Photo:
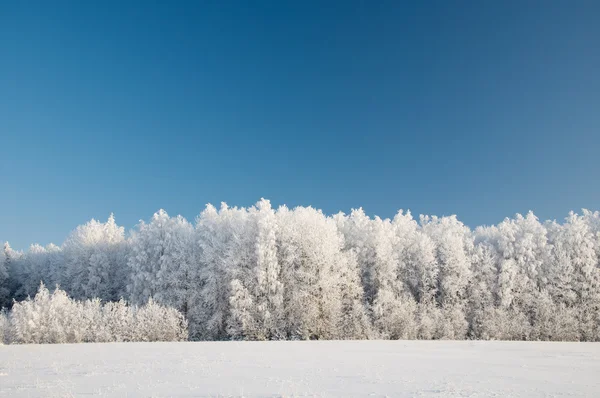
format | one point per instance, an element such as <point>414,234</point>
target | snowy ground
<point>287,369</point>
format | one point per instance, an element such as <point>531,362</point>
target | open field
<point>285,369</point>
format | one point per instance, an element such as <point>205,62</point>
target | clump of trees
<point>261,273</point>
<point>53,317</point>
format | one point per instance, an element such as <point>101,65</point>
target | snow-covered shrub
<point>154,322</point>
<point>51,318</point>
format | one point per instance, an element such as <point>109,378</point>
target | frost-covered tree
<point>4,282</point>
<point>16,272</point>
<point>311,259</point>
<point>224,253</point>
<point>377,246</point>
<point>95,261</point>
<point>54,265</point>
<point>574,274</point>
<point>452,242</point>
<point>4,327</point>
<point>453,248</point>
<point>355,323</point>
<point>257,291</point>
<point>482,293</point>
<point>269,287</point>
<point>521,249</point>
<point>154,322</point>
<point>419,273</point>
<point>33,270</point>
<point>161,262</point>
<point>45,318</point>
<point>416,251</point>
<point>36,265</point>
<point>246,262</point>
<point>357,229</point>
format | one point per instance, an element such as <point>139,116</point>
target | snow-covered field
<point>287,369</point>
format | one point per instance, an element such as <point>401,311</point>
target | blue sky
<point>480,109</point>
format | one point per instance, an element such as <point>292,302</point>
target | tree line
<point>261,273</point>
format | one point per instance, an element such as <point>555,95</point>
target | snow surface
<point>286,369</point>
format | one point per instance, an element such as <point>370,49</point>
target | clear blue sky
<point>481,109</point>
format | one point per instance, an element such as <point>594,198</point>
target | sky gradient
<point>480,109</point>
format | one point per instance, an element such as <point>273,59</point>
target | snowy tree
<point>154,322</point>
<point>416,251</point>
<point>521,250</point>
<point>17,275</point>
<point>243,319</point>
<point>4,327</point>
<point>311,259</point>
<point>117,320</point>
<point>224,252</point>
<point>54,266</point>
<point>42,319</point>
<point>4,282</point>
<point>574,277</point>
<point>453,247</point>
<point>452,241</point>
<point>357,229</point>
<point>41,264</point>
<point>161,262</point>
<point>355,323</point>
<point>33,270</point>
<point>269,288</point>
<point>94,261</point>
<point>377,247</point>
<point>482,293</point>
<point>257,290</point>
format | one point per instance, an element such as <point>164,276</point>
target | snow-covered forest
<point>261,273</point>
